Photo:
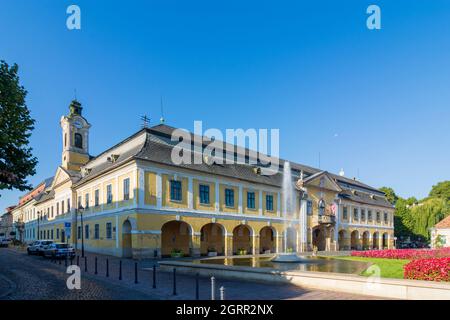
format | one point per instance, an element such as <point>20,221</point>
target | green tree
<point>16,158</point>
<point>390,195</point>
<point>441,190</point>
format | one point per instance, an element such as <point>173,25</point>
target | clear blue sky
<point>376,103</point>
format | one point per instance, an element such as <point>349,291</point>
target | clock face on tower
<point>78,124</point>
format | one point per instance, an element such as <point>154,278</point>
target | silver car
<point>59,250</point>
<point>38,247</point>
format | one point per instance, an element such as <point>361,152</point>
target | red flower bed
<point>436,269</point>
<point>408,254</point>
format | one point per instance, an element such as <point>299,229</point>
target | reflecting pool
<point>319,264</point>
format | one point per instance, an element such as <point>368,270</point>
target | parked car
<point>59,250</point>
<point>5,243</point>
<point>38,247</point>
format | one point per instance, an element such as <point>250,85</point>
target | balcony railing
<point>327,219</point>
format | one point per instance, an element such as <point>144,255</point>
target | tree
<point>390,195</point>
<point>441,190</point>
<point>16,158</point>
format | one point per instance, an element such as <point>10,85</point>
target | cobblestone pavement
<point>39,278</point>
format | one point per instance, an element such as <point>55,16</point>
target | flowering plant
<point>435,269</point>
<point>408,254</point>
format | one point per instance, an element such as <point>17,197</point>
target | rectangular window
<point>386,217</point>
<point>251,200</point>
<point>57,233</point>
<point>378,217</point>
<point>86,231</point>
<point>309,207</point>
<point>97,231</point>
<point>97,197</point>
<point>229,198</point>
<point>355,214</point>
<point>175,190</point>
<point>51,234</point>
<point>68,205</point>
<point>108,230</point>
<point>269,202</point>
<point>79,202</point>
<point>79,232</point>
<point>57,208</point>
<point>204,193</point>
<point>52,212</point>
<point>126,189</point>
<point>345,213</point>
<point>363,214</point>
<point>86,201</point>
<point>62,207</point>
<point>109,195</point>
<point>369,215</point>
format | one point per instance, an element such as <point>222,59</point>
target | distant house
<point>6,224</point>
<point>440,234</point>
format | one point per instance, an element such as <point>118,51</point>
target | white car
<point>5,243</point>
<point>38,247</point>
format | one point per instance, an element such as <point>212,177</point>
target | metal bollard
<point>85,264</point>
<point>222,293</point>
<point>213,288</point>
<point>154,276</point>
<point>71,261</point>
<point>107,268</point>
<point>95,271</point>
<point>135,273</point>
<point>120,270</point>
<point>78,260</point>
<point>197,287</point>
<point>174,281</point>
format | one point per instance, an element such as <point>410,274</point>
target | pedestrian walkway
<point>184,288</point>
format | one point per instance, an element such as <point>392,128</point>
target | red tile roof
<point>443,224</point>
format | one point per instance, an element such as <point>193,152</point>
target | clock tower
<point>75,138</point>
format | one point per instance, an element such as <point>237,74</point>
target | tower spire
<point>162,120</point>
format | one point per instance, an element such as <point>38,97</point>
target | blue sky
<point>375,103</point>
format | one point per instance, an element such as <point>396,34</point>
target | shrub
<point>408,254</point>
<point>435,269</point>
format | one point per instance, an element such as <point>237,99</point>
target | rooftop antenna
<point>75,93</point>
<point>162,120</point>
<point>145,121</point>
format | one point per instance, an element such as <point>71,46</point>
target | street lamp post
<point>38,230</point>
<point>80,210</point>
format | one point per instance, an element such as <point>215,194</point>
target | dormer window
<point>113,158</point>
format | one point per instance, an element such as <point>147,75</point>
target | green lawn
<point>389,268</point>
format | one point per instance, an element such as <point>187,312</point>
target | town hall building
<point>133,201</point>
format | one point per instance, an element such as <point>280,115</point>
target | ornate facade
<point>133,201</point>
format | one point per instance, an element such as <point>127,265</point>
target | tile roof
<point>443,224</point>
<point>157,147</point>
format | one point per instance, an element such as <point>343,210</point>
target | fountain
<point>288,213</point>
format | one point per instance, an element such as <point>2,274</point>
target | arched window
<point>78,141</point>
<point>321,207</point>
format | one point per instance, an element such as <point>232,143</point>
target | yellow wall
<point>150,197</point>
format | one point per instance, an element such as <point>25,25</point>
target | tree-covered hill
<point>413,217</point>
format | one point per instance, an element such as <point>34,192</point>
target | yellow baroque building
<point>133,201</point>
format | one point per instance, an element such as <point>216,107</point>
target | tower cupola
<point>75,135</point>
